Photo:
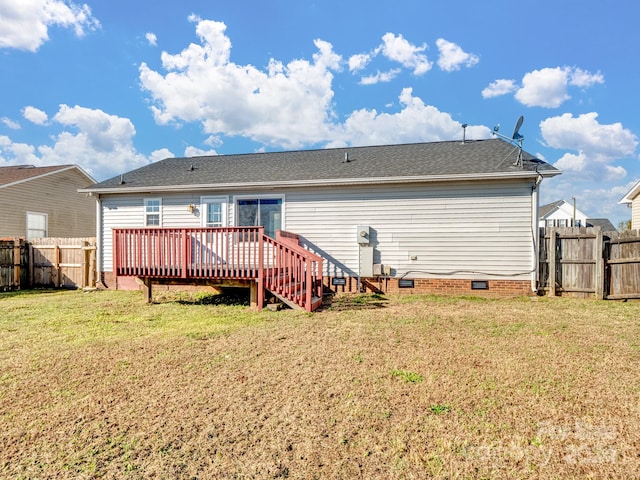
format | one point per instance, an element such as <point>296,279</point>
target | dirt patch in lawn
<point>417,387</point>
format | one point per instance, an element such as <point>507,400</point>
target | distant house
<point>44,202</point>
<point>564,214</point>
<point>561,214</point>
<point>632,199</point>
<point>443,216</point>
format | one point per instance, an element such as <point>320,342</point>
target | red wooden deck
<point>279,265</point>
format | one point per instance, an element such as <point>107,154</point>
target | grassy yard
<point>101,385</point>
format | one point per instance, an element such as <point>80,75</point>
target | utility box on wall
<point>363,235</point>
<point>366,261</point>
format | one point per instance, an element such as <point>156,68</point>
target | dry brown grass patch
<point>103,386</point>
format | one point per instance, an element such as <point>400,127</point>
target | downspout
<point>535,235</point>
<point>99,266</point>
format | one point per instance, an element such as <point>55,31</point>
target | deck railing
<point>238,253</point>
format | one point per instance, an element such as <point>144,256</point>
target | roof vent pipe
<point>122,179</point>
<point>346,157</point>
<point>464,131</point>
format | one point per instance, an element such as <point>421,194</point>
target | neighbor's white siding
<point>464,230</point>
<point>635,213</point>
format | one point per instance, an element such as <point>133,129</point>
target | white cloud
<point>398,49</point>
<point>583,79</point>
<point>151,38</point>
<point>499,87</point>
<point>452,57</point>
<point>585,133</point>
<point>416,122</point>
<point>160,154</point>
<point>35,115</point>
<point>101,143</point>
<point>288,105</point>
<point>12,124</point>
<point>547,87</point>
<point>358,62</point>
<point>198,152</point>
<point>597,145</point>
<point>380,77</point>
<point>25,23</point>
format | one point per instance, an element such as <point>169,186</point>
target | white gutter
<point>324,182</point>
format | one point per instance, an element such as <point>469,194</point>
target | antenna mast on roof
<point>515,138</point>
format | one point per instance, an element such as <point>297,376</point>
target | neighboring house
<point>632,199</point>
<point>441,214</point>
<point>45,202</point>
<point>564,214</point>
<point>561,214</point>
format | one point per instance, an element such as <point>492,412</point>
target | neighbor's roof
<point>604,224</point>
<point>419,162</point>
<point>549,208</point>
<point>631,194</point>
<point>24,173</point>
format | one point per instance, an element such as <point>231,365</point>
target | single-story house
<point>632,199</point>
<point>450,216</point>
<point>45,202</point>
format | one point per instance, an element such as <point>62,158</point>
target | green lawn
<point>102,385</point>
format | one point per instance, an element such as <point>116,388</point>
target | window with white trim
<point>260,211</point>
<point>152,212</point>
<point>214,211</point>
<point>37,225</point>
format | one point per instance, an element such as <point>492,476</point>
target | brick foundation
<point>448,286</point>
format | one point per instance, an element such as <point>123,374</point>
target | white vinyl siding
<point>127,211</point>
<point>635,213</point>
<point>462,230</point>
<point>459,230</point>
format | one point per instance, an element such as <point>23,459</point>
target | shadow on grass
<point>363,301</point>
<point>229,297</point>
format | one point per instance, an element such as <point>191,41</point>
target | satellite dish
<point>516,131</point>
<point>515,138</point>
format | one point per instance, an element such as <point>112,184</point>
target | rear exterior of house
<point>45,202</point>
<point>435,217</point>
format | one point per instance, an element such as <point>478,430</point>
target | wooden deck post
<point>147,290</point>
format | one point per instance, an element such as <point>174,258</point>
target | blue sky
<point>113,85</point>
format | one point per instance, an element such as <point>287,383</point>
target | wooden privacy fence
<point>48,262</point>
<point>583,261</point>
<point>14,261</point>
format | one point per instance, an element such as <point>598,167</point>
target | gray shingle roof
<point>492,157</point>
<point>549,208</point>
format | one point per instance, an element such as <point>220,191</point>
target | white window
<point>152,212</point>
<point>37,225</point>
<point>214,211</point>
<point>260,211</point>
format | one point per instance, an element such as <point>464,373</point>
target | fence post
<point>599,268</point>
<point>551,256</point>
<point>17,260</point>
